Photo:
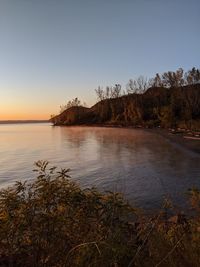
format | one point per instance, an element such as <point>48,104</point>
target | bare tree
<point>116,91</point>
<point>72,103</point>
<point>173,79</point>
<point>100,93</point>
<point>131,87</point>
<point>167,79</point>
<point>139,85</point>
<point>179,77</point>
<point>142,84</point>
<point>108,91</point>
<point>52,116</point>
<point>192,76</point>
<point>157,81</point>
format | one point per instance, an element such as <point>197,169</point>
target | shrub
<point>52,222</point>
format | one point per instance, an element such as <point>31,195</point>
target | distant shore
<point>22,121</point>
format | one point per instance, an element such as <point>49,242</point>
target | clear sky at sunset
<point>55,50</point>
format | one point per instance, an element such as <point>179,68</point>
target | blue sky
<point>55,50</point>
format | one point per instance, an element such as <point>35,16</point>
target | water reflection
<point>138,163</point>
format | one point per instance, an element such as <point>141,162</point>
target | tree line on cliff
<point>171,99</point>
<point>139,85</point>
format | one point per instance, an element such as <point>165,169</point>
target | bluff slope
<point>167,107</point>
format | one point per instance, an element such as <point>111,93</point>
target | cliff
<point>167,107</point>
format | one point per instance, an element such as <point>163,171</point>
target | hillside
<point>158,106</point>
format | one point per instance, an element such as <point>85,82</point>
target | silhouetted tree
<point>72,103</point>
<point>157,81</point>
<point>52,116</point>
<point>100,93</point>
<point>192,76</point>
<point>142,83</point>
<point>173,79</point>
<point>116,91</point>
<point>139,85</point>
<point>131,87</point>
<point>108,91</point>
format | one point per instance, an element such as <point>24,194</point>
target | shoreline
<point>179,139</point>
<point>22,121</point>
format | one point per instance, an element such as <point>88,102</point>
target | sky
<point>52,51</point>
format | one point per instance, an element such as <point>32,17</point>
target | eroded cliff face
<point>157,106</point>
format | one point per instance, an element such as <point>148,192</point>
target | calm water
<point>142,165</point>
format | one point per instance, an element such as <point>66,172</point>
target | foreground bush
<point>53,222</point>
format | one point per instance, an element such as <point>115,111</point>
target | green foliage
<point>53,222</point>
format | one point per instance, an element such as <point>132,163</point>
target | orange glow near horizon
<point>22,116</point>
<point>29,109</point>
<point>22,113</point>
<point>13,110</point>
<point>35,103</point>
